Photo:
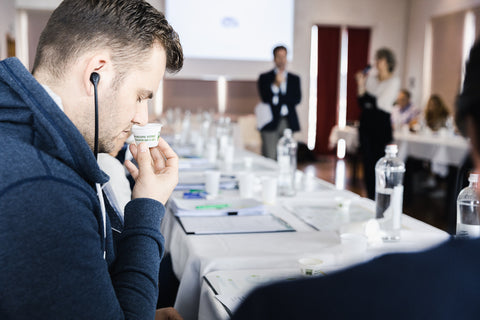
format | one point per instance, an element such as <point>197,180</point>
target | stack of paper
<point>232,286</point>
<point>217,207</point>
<point>331,214</point>
<point>233,224</point>
<point>195,164</point>
<point>196,180</point>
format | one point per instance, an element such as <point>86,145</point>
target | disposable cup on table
<point>248,162</point>
<point>212,182</point>
<point>212,151</point>
<point>310,266</point>
<point>246,184</point>
<point>269,190</point>
<point>354,247</point>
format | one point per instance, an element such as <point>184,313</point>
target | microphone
<point>94,79</point>
<point>366,69</point>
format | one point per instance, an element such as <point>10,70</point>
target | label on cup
<point>153,137</point>
<point>149,133</point>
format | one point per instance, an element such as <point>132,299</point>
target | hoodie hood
<point>38,119</point>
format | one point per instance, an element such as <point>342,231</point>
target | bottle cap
<point>473,177</point>
<point>391,148</point>
<point>287,132</point>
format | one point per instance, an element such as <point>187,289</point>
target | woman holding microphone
<point>377,92</point>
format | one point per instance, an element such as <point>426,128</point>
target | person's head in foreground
<point>128,43</point>
<point>467,116</point>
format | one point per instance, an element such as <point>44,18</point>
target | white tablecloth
<point>441,149</point>
<point>348,133</point>
<point>193,256</point>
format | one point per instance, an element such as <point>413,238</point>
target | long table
<point>442,148</point>
<point>194,256</point>
<point>444,151</point>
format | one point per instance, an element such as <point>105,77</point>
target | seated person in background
<point>404,113</point>
<point>440,283</point>
<point>436,113</point>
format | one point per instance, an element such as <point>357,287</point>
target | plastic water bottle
<point>468,209</point>
<point>287,162</point>
<point>389,172</point>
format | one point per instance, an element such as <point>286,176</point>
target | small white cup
<point>354,247</point>
<point>443,132</point>
<point>212,150</point>
<point>212,182</point>
<point>309,180</point>
<point>246,184</point>
<point>149,133</point>
<point>310,266</point>
<point>269,190</point>
<point>248,162</point>
<point>229,154</point>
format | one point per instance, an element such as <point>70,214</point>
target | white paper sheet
<point>216,207</point>
<point>234,224</point>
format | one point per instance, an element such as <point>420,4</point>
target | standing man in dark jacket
<point>64,251</point>
<point>281,90</point>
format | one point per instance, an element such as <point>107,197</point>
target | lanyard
<point>104,217</point>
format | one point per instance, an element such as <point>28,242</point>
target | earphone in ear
<point>94,78</point>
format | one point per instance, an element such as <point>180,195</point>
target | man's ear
<point>100,63</point>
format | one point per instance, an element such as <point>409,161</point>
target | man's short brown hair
<point>278,48</point>
<point>128,28</point>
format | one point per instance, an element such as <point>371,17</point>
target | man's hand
<point>167,314</point>
<point>157,172</point>
<point>279,78</point>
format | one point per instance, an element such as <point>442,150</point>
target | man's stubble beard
<point>106,117</point>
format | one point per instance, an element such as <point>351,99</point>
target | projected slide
<point>232,29</point>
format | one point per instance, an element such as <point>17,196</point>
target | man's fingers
<point>133,149</point>
<point>158,159</point>
<point>132,169</point>
<point>171,158</point>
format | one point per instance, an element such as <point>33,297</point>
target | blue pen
<point>194,195</point>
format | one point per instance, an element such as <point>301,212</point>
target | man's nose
<point>141,116</point>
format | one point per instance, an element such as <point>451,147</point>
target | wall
<point>399,24</point>
<point>37,20</point>
<point>7,24</point>
<point>385,17</point>
<point>421,11</point>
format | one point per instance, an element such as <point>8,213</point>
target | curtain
<point>327,85</point>
<point>358,44</point>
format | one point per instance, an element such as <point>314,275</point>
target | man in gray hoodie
<point>64,251</point>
